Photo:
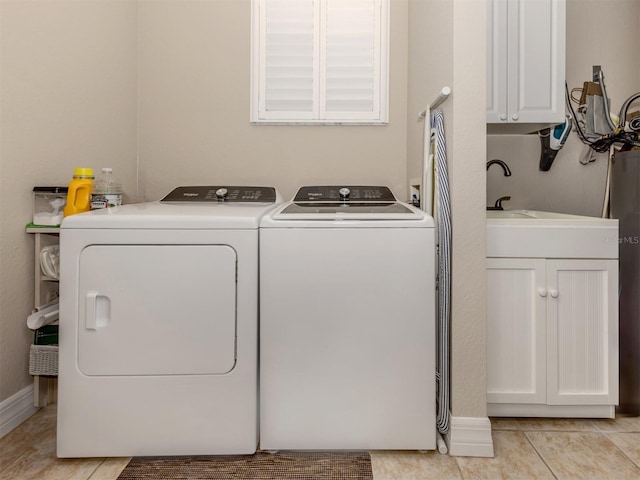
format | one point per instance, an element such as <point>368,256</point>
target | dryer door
<point>157,309</point>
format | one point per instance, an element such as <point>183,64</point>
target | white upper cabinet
<point>526,61</point>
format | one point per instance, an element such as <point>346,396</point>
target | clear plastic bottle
<point>79,193</point>
<point>107,191</point>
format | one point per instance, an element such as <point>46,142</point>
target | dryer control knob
<point>221,193</point>
<point>344,193</point>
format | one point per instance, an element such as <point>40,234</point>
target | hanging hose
<point>625,108</point>
<point>605,101</point>
<point>607,188</point>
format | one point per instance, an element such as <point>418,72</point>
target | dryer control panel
<point>194,194</point>
<point>344,193</point>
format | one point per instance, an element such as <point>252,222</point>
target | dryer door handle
<point>97,310</point>
<point>90,311</point>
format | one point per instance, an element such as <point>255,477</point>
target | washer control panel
<point>344,193</point>
<point>235,194</point>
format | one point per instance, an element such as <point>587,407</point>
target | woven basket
<point>43,360</point>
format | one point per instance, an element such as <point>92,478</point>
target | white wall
<point>599,32</point>
<point>67,99</point>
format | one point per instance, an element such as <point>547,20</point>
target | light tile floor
<point>524,449</point>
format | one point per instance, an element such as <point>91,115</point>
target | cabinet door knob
<point>503,117</point>
<point>542,292</point>
<point>515,116</point>
<point>553,292</point>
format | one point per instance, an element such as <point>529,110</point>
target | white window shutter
<point>350,60</point>
<point>319,61</point>
<point>287,59</point>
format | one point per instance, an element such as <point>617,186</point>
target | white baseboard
<point>550,411</point>
<point>470,437</point>
<point>16,409</point>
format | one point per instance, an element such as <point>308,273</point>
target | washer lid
<point>337,204</point>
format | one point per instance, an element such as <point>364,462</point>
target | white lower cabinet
<point>552,337</point>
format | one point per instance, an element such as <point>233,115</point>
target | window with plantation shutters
<point>320,61</point>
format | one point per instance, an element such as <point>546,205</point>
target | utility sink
<point>539,215</point>
<point>493,214</point>
<point>538,234</point>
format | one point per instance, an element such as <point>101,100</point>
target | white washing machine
<point>347,329</point>
<point>159,326</point>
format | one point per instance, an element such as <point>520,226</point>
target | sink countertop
<point>537,234</point>
<point>552,218</point>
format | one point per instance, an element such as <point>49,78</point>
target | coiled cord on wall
<point>618,135</point>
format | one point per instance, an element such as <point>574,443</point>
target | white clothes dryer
<point>347,329</point>
<point>159,325</point>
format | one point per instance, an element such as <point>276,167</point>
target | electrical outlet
<point>414,191</point>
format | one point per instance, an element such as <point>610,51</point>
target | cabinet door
<point>516,323</point>
<point>582,332</point>
<point>526,61</point>
<point>497,61</point>
<point>536,60</point>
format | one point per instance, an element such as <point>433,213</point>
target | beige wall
<point>160,92</point>
<point>160,89</point>
<point>430,69</point>
<point>468,189</point>
<point>194,110</point>
<point>599,32</point>
<point>104,83</point>
<point>441,31</point>
<point>67,99</point>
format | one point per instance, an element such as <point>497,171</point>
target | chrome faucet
<point>507,172</point>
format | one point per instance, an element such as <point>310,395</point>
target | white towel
<point>44,316</point>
